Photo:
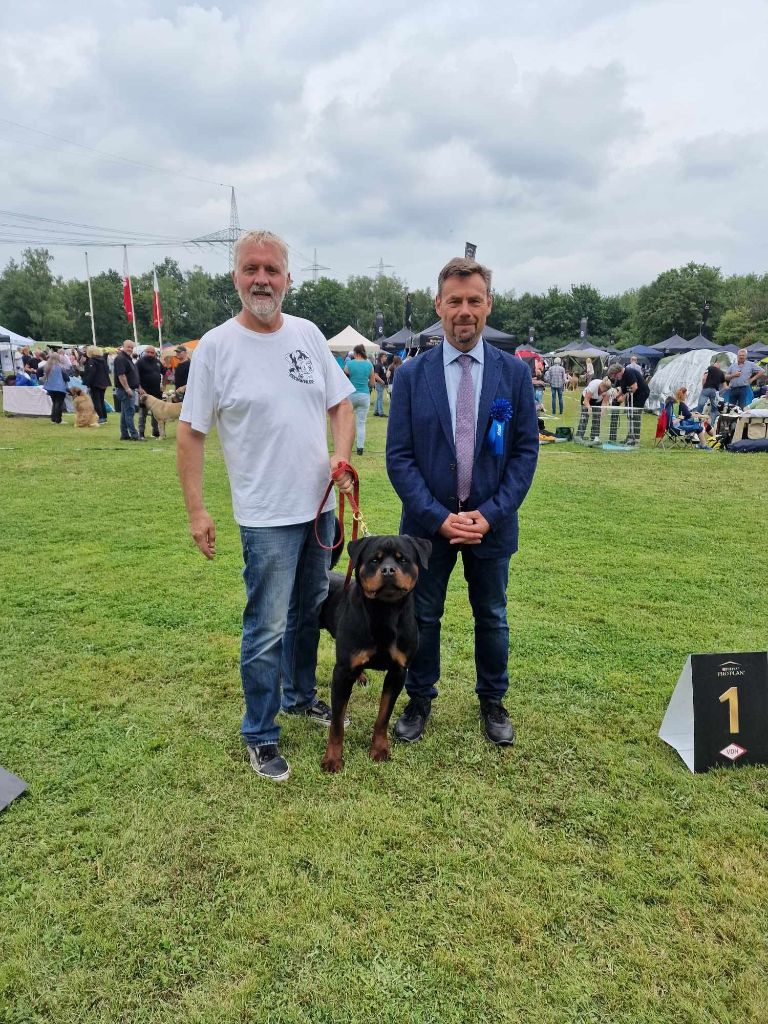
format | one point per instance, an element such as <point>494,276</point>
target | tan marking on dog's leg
<point>393,684</point>
<point>397,656</point>
<point>360,658</point>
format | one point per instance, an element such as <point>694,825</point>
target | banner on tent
<point>718,714</point>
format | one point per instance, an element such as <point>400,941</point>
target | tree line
<point>36,303</point>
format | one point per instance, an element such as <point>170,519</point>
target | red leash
<point>354,501</point>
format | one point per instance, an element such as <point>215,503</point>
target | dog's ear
<point>422,549</point>
<point>356,549</point>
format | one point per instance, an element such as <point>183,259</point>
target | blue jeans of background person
<point>361,403</point>
<point>127,413</point>
<point>379,410</point>
<point>557,393</point>
<point>738,396</point>
<point>709,395</point>
<point>487,583</point>
<point>538,394</point>
<point>286,582</point>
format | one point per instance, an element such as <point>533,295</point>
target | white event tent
<point>346,340</point>
<point>684,370</point>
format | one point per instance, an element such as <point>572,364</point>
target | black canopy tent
<point>433,335</point>
<point>674,345</point>
<point>404,338</point>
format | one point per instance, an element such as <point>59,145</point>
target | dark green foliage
<point>33,302</point>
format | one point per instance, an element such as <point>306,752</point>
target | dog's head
<point>76,392</point>
<point>387,568</point>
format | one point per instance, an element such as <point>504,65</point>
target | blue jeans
<point>127,412</point>
<point>286,582</point>
<point>361,403</point>
<point>379,410</point>
<point>487,583</point>
<point>557,393</point>
<point>710,394</point>
<point>739,396</point>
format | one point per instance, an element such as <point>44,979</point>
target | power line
<point>108,156</point>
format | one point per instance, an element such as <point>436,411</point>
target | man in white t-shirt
<point>267,380</point>
<point>594,396</point>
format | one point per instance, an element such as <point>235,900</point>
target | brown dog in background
<point>85,414</point>
<point>162,411</point>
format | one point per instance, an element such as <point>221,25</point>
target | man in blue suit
<point>462,446</point>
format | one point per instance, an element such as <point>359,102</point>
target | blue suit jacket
<point>421,454</point>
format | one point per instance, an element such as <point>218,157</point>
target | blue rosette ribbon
<point>501,412</point>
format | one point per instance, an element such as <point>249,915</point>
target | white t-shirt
<point>268,394</point>
<point>592,390</point>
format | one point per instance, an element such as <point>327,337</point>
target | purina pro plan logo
<point>730,670</point>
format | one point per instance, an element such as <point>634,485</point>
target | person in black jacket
<point>126,390</point>
<point>96,376</point>
<point>151,381</point>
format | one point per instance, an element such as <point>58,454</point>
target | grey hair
<point>461,267</point>
<point>261,238</point>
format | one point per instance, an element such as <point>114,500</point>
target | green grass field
<point>582,876</point>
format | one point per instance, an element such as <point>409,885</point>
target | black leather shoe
<point>410,725</point>
<point>496,724</point>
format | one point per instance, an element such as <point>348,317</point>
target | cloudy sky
<point>597,141</point>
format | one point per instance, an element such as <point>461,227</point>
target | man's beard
<point>262,304</point>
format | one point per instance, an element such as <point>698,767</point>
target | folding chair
<point>666,431</point>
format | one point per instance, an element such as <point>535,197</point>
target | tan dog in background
<point>162,411</point>
<point>85,414</point>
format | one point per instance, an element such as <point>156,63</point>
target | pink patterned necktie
<point>465,428</point>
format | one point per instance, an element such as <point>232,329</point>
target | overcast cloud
<point>595,141</point>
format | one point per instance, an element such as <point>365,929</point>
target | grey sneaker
<point>319,713</point>
<point>267,761</point>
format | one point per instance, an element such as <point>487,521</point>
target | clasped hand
<point>465,527</point>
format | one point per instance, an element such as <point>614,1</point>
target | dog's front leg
<point>393,685</point>
<point>341,687</point>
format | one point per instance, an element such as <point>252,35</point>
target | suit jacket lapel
<point>491,378</point>
<point>435,374</point>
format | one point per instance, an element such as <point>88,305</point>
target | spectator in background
<point>55,379</point>
<point>684,422</point>
<point>556,377</point>
<point>360,372</point>
<point>740,377</point>
<point>711,383</point>
<point>396,361</point>
<point>126,390</point>
<point>150,381</point>
<point>96,377</point>
<point>181,373</point>
<point>635,390</point>
<point>593,398</point>
<point>380,380</point>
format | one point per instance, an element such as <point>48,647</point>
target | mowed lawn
<point>582,876</point>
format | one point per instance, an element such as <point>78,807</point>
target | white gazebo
<point>348,338</point>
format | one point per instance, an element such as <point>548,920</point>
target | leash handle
<point>354,501</point>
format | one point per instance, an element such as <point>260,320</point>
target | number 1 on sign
<point>732,696</point>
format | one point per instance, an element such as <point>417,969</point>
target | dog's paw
<point>332,764</point>
<point>379,751</point>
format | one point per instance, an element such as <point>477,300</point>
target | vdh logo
<point>729,669</point>
<point>733,751</point>
<point>300,368</point>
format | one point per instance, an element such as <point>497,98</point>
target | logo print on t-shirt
<point>301,368</point>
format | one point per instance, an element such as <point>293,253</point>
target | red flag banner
<point>127,294</point>
<point>157,313</point>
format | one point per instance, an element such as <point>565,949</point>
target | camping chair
<point>668,433</point>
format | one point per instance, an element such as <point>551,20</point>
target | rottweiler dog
<point>374,625</point>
